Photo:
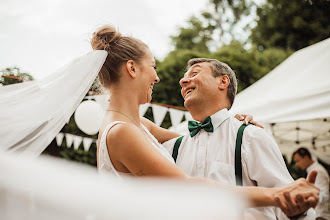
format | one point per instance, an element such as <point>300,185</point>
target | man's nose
<point>184,81</point>
<point>157,79</point>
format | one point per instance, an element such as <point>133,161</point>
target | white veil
<point>32,113</point>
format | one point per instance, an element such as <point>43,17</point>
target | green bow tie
<point>194,126</point>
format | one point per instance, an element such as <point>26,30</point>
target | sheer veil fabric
<point>32,113</point>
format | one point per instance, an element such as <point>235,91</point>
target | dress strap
<point>103,146</point>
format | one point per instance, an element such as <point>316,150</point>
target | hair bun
<point>104,37</point>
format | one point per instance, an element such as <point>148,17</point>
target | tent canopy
<point>297,89</point>
<point>294,99</point>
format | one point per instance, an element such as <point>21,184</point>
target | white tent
<point>294,99</point>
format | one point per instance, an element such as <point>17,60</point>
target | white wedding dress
<point>105,164</point>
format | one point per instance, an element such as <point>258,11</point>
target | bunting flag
<point>176,116</point>
<point>76,141</point>
<point>143,108</point>
<point>159,113</point>
<point>87,142</point>
<point>69,140</point>
<point>188,117</point>
<point>59,139</point>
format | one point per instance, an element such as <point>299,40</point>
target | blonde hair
<point>120,49</point>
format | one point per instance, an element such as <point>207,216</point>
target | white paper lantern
<point>89,116</point>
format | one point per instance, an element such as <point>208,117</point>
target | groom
<point>209,88</point>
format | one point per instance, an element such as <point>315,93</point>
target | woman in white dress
<point>126,146</point>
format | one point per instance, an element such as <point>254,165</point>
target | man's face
<point>300,161</point>
<point>199,86</point>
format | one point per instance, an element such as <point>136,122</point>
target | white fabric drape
<point>50,188</point>
<point>32,113</point>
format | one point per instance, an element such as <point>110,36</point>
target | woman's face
<point>148,77</point>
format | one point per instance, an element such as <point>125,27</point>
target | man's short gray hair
<point>220,69</point>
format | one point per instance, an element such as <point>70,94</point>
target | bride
<point>126,146</point>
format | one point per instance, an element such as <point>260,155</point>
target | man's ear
<point>224,82</point>
<point>130,67</point>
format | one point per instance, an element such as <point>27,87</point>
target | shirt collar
<point>219,117</point>
<point>311,167</point>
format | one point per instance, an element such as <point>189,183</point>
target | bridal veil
<point>33,113</point>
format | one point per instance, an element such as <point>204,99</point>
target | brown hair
<point>303,152</point>
<point>220,69</point>
<point>120,49</point>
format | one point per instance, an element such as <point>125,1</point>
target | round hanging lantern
<point>89,116</point>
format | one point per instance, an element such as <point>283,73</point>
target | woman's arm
<point>161,134</point>
<point>131,151</point>
<point>129,148</point>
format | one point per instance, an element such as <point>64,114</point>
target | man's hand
<point>297,197</point>
<point>247,119</point>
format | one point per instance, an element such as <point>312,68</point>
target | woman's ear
<point>224,82</point>
<point>130,67</point>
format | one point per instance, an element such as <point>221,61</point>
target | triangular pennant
<point>69,140</point>
<point>76,141</point>
<point>176,116</point>
<point>188,117</point>
<point>87,143</point>
<point>143,108</point>
<point>59,139</point>
<point>159,113</point>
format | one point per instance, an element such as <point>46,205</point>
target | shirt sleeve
<point>169,145</point>
<point>263,159</point>
<point>265,164</point>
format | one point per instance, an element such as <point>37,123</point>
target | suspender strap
<point>238,161</point>
<point>176,148</point>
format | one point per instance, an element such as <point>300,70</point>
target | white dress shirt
<point>212,155</point>
<point>322,181</point>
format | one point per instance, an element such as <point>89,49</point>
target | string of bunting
<point>74,140</point>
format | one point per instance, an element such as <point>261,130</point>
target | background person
<point>303,160</point>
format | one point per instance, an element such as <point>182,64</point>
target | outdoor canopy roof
<point>297,89</point>
<point>294,100</point>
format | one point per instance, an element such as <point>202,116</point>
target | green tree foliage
<point>226,14</point>
<point>194,37</point>
<point>220,23</point>
<point>14,72</point>
<point>250,65</point>
<point>293,24</point>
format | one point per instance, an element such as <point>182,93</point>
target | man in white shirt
<point>303,160</point>
<point>209,88</point>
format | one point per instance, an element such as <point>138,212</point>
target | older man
<point>215,149</point>
<point>304,161</point>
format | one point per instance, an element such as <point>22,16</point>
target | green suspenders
<point>176,148</point>
<point>238,162</point>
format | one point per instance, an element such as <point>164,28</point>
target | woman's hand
<point>247,119</point>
